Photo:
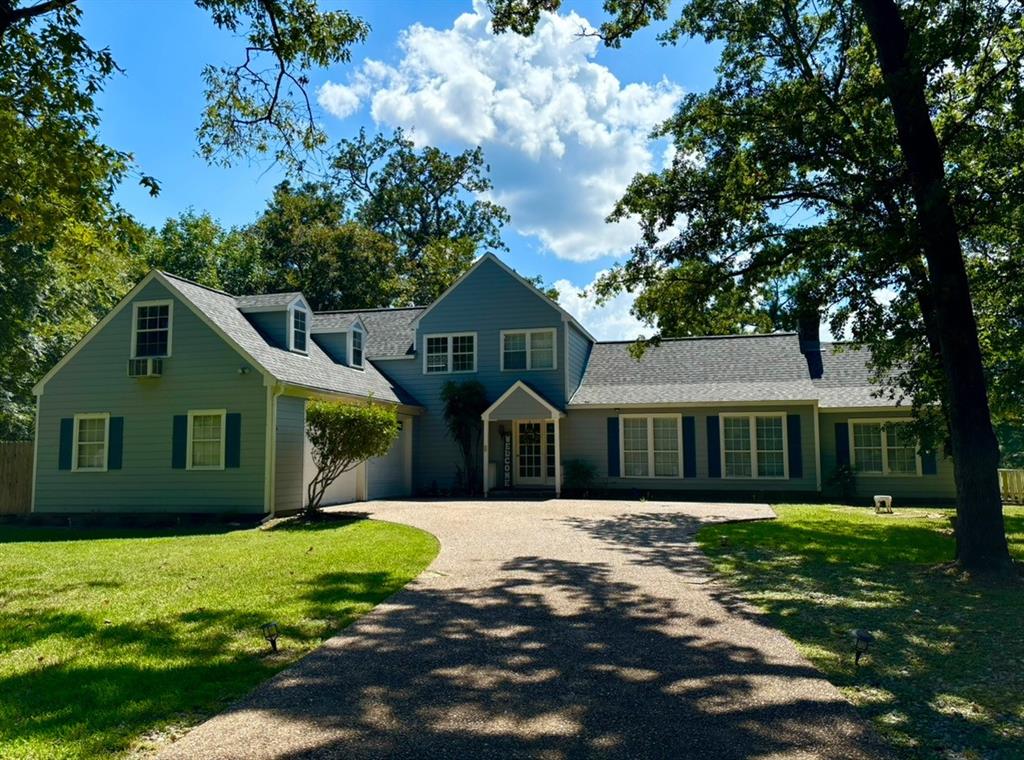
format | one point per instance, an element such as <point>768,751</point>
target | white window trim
<point>752,417</point>
<point>529,331</point>
<point>105,416</point>
<point>362,349</point>
<point>451,364</point>
<point>291,328</point>
<point>650,446</point>
<point>885,473</point>
<point>223,437</point>
<point>169,303</point>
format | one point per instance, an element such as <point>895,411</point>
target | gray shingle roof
<point>315,370</point>
<point>328,321</point>
<point>724,369</point>
<point>389,332</point>
<point>265,301</point>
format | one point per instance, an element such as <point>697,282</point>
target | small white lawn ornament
<point>883,504</point>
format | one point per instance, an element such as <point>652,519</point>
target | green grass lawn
<point>110,639</point>
<point>945,677</point>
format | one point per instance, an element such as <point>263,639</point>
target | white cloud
<point>562,135</point>
<point>608,321</point>
<point>339,99</point>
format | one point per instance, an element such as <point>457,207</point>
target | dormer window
<point>151,328</point>
<point>356,354</point>
<point>298,329</point>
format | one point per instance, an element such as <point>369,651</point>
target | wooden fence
<point>1011,486</point>
<point>15,478</point>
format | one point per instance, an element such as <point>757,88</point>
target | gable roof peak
<point>489,256</point>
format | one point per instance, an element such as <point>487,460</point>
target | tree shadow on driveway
<point>552,658</point>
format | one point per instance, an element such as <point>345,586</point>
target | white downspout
<point>817,445</point>
<point>273,391</point>
<point>558,459</point>
<point>485,419</point>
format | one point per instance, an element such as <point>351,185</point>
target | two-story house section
<point>188,399</point>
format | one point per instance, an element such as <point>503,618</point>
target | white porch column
<point>486,438</point>
<point>558,459</point>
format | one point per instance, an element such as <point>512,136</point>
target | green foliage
<point>842,482</point>
<point>579,476</point>
<point>197,247</point>
<point>153,631</point>
<point>945,677</point>
<point>464,403</point>
<point>343,435</point>
<point>307,242</point>
<point>425,201</point>
<point>261,105</point>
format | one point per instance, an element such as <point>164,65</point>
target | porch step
<point>521,494</point>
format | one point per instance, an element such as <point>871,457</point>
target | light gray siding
<point>291,437</point>
<point>939,486</point>
<point>272,325</point>
<point>520,405</point>
<point>488,301</point>
<point>202,373</point>
<point>335,345</point>
<point>585,437</point>
<point>579,352</point>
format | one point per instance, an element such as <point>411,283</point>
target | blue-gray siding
<point>520,405</point>
<point>291,437</point>
<point>579,352</point>
<point>488,301</point>
<point>939,486</point>
<point>272,325</point>
<point>202,373</point>
<point>585,437</point>
<point>335,345</point>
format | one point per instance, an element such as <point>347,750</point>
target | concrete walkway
<point>552,630</point>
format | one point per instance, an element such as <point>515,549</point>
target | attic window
<point>298,329</point>
<point>151,329</point>
<point>357,348</point>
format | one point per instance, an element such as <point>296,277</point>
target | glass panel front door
<point>531,452</point>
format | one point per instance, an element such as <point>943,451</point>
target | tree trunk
<point>981,536</point>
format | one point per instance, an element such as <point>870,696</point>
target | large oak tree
<point>854,148</point>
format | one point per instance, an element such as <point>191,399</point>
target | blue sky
<point>562,120</point>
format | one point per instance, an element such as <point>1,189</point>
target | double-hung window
<point>882,447</point>
<point>91,435</point>
<point>151,329</point>
<point>298,329</point>
<point>356,353</point>
<point>754,446</point>
<point>652,446</point>
<point>206,439</point>
<point>528,349</point>
<point>449,353</point>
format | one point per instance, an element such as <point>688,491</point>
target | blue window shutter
<point>929,463</point>
<point>689,448</point>
<point>179,443</point>
<point>115,444</point>
<point>233,440</point>
<point>613,447</point>
<point>714,448</point>
<point>67,433</point>
<point>842,444</point>
<point>796,454</point>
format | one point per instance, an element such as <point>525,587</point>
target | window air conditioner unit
<point>145,367</point>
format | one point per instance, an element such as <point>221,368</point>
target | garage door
<point>390,476</point>
<point>342,490</point>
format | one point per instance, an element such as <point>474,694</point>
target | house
<point>188,399</point>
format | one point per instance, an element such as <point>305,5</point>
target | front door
<point>535,453</point>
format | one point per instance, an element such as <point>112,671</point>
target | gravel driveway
<point>549,629</point>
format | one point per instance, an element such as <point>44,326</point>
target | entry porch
<point>522,443</point>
